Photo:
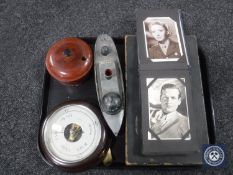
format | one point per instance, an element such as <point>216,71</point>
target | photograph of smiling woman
<point>162,39</point>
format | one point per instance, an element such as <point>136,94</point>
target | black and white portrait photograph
<point>168,109</point>
<point>162,39</point>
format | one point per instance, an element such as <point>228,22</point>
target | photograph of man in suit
<point>167,122</point>
<point>164,47</point>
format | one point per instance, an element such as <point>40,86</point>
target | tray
<point>54,93</point>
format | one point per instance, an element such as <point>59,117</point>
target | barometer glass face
<point>72,133</point>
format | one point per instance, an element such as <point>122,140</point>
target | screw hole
<point>84,58</point>
<point>67,52</point>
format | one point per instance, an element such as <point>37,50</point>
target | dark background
<point>27,29</point>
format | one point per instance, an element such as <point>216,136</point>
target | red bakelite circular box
<point>69,60</point>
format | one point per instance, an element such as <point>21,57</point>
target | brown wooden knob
<point>69,60</point>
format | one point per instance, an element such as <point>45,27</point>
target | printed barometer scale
<point>74,137</point>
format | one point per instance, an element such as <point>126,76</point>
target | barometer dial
<point>73,136</point>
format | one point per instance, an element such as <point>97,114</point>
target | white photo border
<point>177,34</point>
<point>167,80</point>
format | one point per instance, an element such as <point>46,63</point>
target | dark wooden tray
<point>55,93</point>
